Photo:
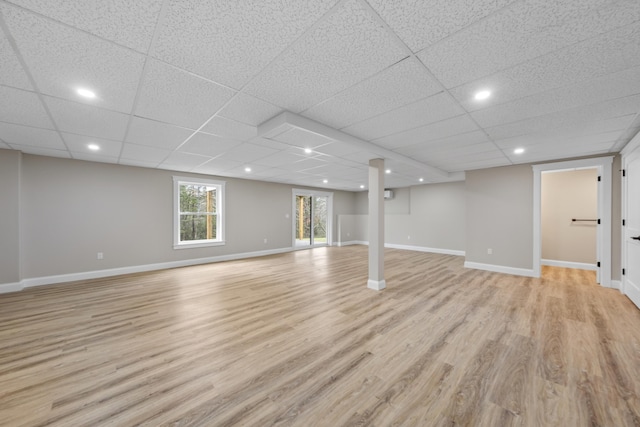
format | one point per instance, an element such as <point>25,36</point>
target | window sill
<point>199,244</point>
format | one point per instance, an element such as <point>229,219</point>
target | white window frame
<point>220,212</point>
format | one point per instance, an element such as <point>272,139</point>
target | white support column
<point>376,225</point>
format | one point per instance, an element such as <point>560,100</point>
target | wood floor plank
<point>298,339</point>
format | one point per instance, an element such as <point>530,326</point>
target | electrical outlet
<point>489,251</point>
<point>100,255</point>
<point>265,240</point>
<point>348,234</point>
<point>408,237</point>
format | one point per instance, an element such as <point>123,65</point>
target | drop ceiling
<point>303,91</point>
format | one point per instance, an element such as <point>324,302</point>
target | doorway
<point>603,232</point>
<point>312,219</point>
<point>569,213</point>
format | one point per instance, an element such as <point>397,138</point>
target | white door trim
<point>603,164</point>
<point>304,192</point>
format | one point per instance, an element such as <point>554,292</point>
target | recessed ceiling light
<point>482,95</point>
<point>93,147</point>
<point>247,169</point>
<point>519,150</point>
<point>86,93</point>
<point>362,186</point>
<point>308,150</point>
<point>421,179</point>
<point>325,180</point>
<point>387,171</point>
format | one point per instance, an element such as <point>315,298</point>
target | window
<point>198,212</point>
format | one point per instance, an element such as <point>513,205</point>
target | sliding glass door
<point>312,214</point>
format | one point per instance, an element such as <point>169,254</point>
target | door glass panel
<point>319,221</point>
<point>303,221</point>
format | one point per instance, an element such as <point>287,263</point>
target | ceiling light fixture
<point>93,147</point>
<point>519,150</point>
<point>325,180</point>
<point>308,150</point>
<point>247,169</point>
<point>362,186</point>
<point>482,95</point>
<point>421,179</point>
<point>86,93</point>
<point>387,171</point>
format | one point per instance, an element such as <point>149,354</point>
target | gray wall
<point>9,216</point>
<point>73,209</point>
<point>566,195</point>
<point>499,216</point>
<point>428,216</point>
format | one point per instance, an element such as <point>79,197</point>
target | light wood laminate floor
<point>298,339</point>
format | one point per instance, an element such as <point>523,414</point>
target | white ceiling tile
<point>265,142</point>
<point>281,159</point>
<point>304,164</point>
<point>523,31</point>
<point>208,145</point>
<point>337,148</point>
<point>429,110</point>
<point>11,72</point>
<point>217,166</point>
<point>174,96</point>
<point>227,128</point>
<point>457,141</point>
<point>129,23</point>
<point>78,144</point>
<point>24,135</point>
<point>419,26</point>
<point>594,91</point>
<point>577,64</point>
<point>23,107</point>
<point>398,85</point>
<point>84,119</point>
<point>183,161</point>
<point>61,59</point>
<point>156,134</point>
<point>581,116</point>
<point>268,172</point>
<point>90,157</point>
<point>139,163</point>
<point>41,151</point>
<point>248,153</point>
<point>478,164</point>
<point>302,138</point>
<point>249,110</point>
<point>442,129</point>
<point>143,153</point>
<point>557,140</point>
<point>557,153</point>
<point>341,51</point>
<point>229,42</point>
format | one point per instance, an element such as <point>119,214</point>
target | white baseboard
<point>408,248</point>
<point>376,285</point>
<point>569,264</point>
<point>500,269</point>
<point>352,242</point>
<point>97,274</point>
<point>5,288</point>
<point>425,249</point>
<point>616,284</point>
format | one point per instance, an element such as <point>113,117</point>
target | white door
<point>631,279</point>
